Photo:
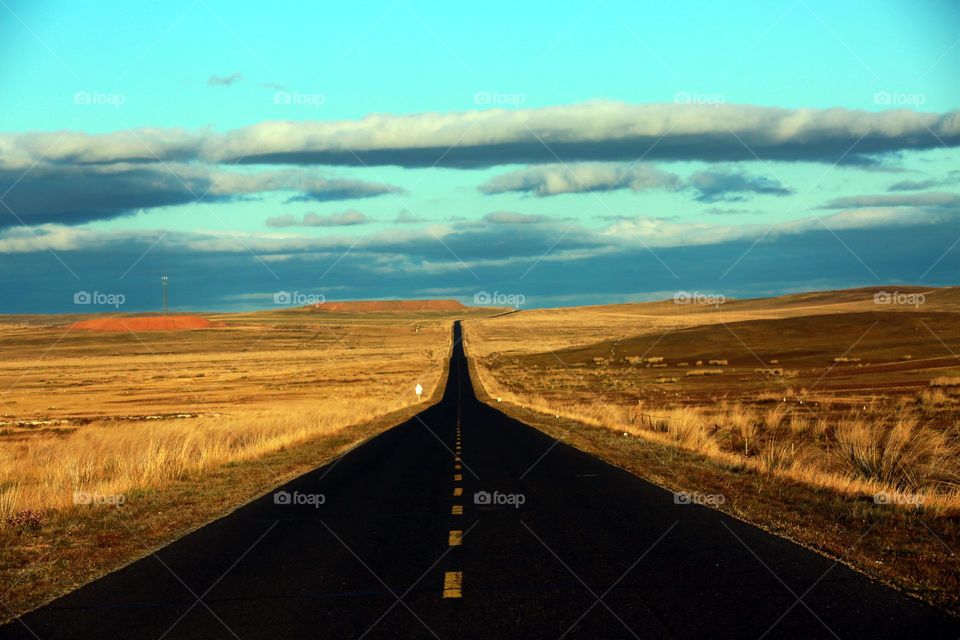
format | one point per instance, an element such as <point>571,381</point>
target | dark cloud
<point>74,194</point>
<point>573,268</point>
<point>345,190</point>
<point>730,185</point>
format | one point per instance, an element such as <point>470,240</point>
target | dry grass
<point>898,453</point>
<point>809,449</point>
<point>854,454</point>
<point>854,448</point>
<point>113,458</point>
<point>130,413</point>
<point>183,427</point>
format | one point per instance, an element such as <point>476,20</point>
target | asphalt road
<point>560,545</point>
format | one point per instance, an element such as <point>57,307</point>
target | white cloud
<point>930,199</point>
<point>343,219</point>
<point>581,177</point>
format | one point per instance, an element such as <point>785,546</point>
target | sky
<point>263,154</point>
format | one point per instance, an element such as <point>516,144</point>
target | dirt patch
<point>148,323</point>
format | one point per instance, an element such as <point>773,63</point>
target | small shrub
<point>25,520</point>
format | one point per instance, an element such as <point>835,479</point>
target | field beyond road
<point>832,418</point>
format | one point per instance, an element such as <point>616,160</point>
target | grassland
<point>113,443</point>
<point>819,416</point>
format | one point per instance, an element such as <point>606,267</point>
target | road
<point>564,545</point>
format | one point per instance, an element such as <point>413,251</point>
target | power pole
<point>164,280</point>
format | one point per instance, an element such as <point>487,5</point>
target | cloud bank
<point>593,131</point>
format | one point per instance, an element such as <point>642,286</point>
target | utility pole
<point>164,280</point>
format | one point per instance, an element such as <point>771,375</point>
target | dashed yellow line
<point>457,477</point>
<point>457,467</point>
<point>456,510</point>
<point>452,584</point>
<point>457,491</point>
<point>456,538</point>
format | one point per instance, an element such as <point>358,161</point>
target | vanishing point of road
<point>464,523</point>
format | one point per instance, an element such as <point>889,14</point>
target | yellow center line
<point>457,491</point>
<point>456,510</point>
<point>456,538</point>
<point>452,584</point>
<point>457,467</point>
<point>457,477</point>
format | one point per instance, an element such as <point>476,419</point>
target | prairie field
<point>139,419</point>
<point>105,412</point>
<point>831,395</point>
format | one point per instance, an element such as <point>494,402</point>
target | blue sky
<point>583,153</point>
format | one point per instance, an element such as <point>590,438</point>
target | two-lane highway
<point>464,523</point>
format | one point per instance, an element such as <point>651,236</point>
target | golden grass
<point>112,458</point>
<point>887,451</point>
<point>250,396</point>
<point>897,452</point>
<point>945,381</point>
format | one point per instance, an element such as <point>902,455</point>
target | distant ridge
<point>390,305</point>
